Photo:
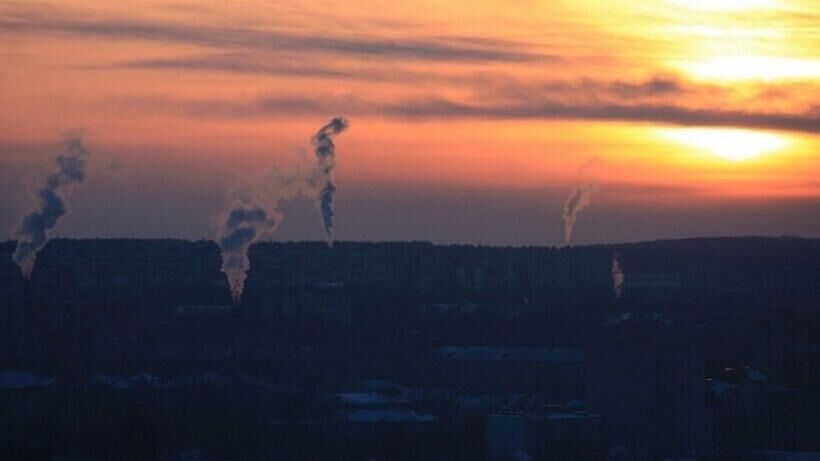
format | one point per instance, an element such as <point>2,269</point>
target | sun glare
<point>728,143</point>
<point>754,68</point>
<point>729,5</point>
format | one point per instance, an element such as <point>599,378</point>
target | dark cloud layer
<point>240,63</point>
<point>426,49</point>
<point>260,64</point>
<point>245,63</point>
<point>435,108</point>
<point>661,99</point>
<point>659,113</point>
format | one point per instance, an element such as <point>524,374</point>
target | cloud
<point>586,89</point>
<point>255,63</point>
<point>245,63</point>
<point>241,63</point>
<point>436,108</point>
<point>424,49</point>
<point>657,113</point>
<point>651,87</point>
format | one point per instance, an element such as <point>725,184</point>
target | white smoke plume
<point>579,199</point>
<point>617,276</point>
<point>32,232</point>
<point>242,226</point>
<point>253,215</point>
<point>326,156</point>
<point>256,215</point>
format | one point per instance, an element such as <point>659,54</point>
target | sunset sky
<point>470,121</point>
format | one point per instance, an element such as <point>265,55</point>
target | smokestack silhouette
<point>240,228</point>
<point>617,276</point>
<point>326,156</point>
<point>32,232</point>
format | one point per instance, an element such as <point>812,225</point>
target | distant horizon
<point>427,242</point>
<point>114,206</point>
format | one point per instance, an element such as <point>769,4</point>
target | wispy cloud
<point>261,64</point>
<point>659,113</point>
<point>469,49</point>
<point>548,107</point>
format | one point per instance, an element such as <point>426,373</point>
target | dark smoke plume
<point>32,233</point>
<point>326,156</point>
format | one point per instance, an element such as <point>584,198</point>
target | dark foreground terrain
<point>132,349</point>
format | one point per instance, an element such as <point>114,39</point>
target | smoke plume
<point>241,226</point>
<point>580,198</point>
<point>326,157</point>
<point>253,215</point>
<point>256,214</point>
<point>32,232</point>
<point>617,276</point>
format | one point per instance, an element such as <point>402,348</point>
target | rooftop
<point>508,354</point>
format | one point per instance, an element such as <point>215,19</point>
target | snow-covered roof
<point>471,401</point>
<point>754,374</point>
<point>380,385</point>
<point>385,415</point>
<point>22,380</point>
<point>719,387</point>
<point>127,382</point>
<point>508,354</point>
<point>366,398</point>
<point>572,416</point>
<point>202,308</point>
<point>794,455</point>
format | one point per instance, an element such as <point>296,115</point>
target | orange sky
<point>676,101</point>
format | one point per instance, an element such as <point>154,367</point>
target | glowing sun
<point>725,4</point>
<point>731,68</point>
<point>728,143</point>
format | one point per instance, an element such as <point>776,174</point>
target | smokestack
<point>617,276</point>
<point>326,156</point>
<point>32,232</point>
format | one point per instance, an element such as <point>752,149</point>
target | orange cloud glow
<point>715,100</point>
